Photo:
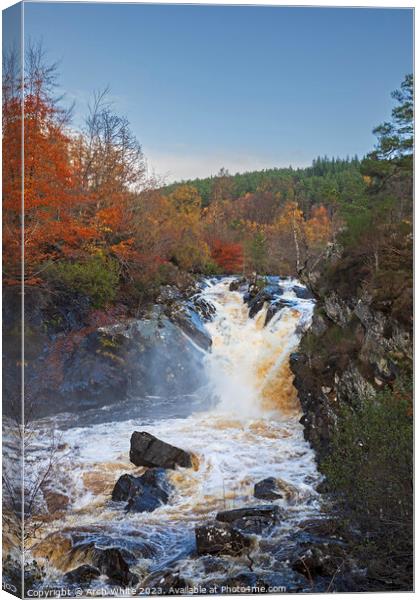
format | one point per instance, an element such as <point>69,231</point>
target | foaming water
<point>253,432</point>
<point>249,365</point>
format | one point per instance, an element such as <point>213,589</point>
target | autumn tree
<point>222,187</point>
<point>229,257</point>
<point>52,227</point>
<point>190,250</point>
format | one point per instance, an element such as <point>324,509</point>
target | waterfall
<point>249,363</point>
<point>249,431</point>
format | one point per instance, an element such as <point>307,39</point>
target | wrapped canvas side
<point>13,294</point>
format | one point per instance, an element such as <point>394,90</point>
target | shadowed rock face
<point>347,355</point>
<point>76,364</point>
<point>148,451</point>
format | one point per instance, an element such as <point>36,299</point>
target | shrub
<point>211,268</point>
<point>370,472</point>
<point>95,277</point>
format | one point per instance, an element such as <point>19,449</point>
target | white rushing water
<point>251,432</point>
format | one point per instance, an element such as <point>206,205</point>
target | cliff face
<point>356,346</point>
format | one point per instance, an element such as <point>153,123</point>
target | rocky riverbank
<point>353,373</point>
<point>356,346</point>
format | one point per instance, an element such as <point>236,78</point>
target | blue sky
<point>241,87</point>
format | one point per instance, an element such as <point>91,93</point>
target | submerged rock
<point>69,550</point>
<point>148,451</point>
<point>220,538</point>
<point>258,298</point>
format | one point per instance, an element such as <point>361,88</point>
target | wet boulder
<point>275,307</point>
<point>275,489</point>
<point>235,285</point>
<point>83,574</point>
<point>302,292</point>
<point>322,560</point>
<point>203,307</point>
<point>166,581</point>
<point>267,489</point>
<point>325,529</point>
<point>220,538</point>
<point>126,487</point>
<point>145,502</point>
<point>145,493</point>
<point>269,294</point>
<point>112,562</point>
<point>255,519</point>
<point>146,450</point>
<point>190,322</point>
<point>267,511</point>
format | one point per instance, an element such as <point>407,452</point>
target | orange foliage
<point>229,257</point>
<point>83,196</point>
<point>53,226</point>
<point>319,227</point>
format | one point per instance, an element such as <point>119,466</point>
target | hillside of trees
<point>96,223</point>
<point>326,179</point>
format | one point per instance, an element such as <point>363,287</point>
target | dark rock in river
<point>236,284</point>
<point>83,574</point>
<point>302,292</point>
<point>203,307</point>
<point>166,580</point>
<point>268,511</point>
<point>127,487</point>
<point>269,294</point>
<point>322,560</point>
<point>148,451</point>
<point>145,502</point>
<point>274,489</point>
<point>256,519</point>
<point>145,493</point>
<point>220,538</point>
<point>267,489</point>
<point>111,562</point>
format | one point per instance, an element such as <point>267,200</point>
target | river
<point>249,430</point>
